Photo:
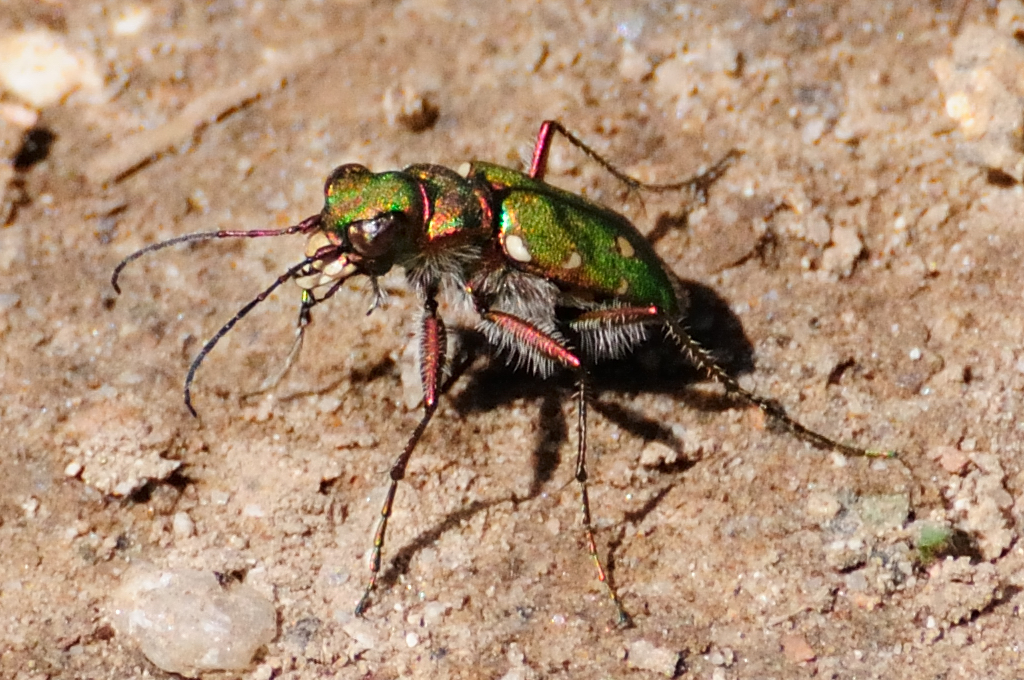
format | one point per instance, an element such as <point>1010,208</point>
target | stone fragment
<point>185,622</point>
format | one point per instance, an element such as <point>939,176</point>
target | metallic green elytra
<point>592,252</point>
<point>558,282</point>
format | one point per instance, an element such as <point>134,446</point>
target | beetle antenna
<point>284,278</point>
<point>302,227</point>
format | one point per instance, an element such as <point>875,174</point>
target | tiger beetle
<point>539,265</point>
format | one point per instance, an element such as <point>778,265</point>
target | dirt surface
<point>868,242</point>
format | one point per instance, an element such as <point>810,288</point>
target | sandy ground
<point>868,242</point>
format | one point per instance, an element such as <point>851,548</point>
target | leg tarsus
<point>703,360</point>
<point>397,474</point>
<point>623,619</point>
<point>309,300</point>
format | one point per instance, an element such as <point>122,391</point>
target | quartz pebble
<point>646,656</point>
<point>185,622</point>
<point>40,69</point>
<point>182,525</point>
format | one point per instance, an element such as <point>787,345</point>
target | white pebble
<point>433,612</point>
<point>646,656</point>
<point>30,506</point>
<point>182,525</point>
<point>131,20</point>
<point>185,622</point>
<point>263,672</point>
<point>252,510</point>
<point>38,68</point>
<point>823,506</point>
<point>412,639</point>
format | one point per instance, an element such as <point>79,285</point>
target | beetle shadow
<point>657,366</point>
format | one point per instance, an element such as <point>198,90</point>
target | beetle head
<point>367,222</point>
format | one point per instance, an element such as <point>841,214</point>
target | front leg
<point>433,345</point>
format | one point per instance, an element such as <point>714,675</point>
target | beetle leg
<point>432,358</point>
<point>703,360</point>
<point>539,164</point>
<point>526,336</point>
<point>309,300</point>
<point>624,620</point>
<point>536,340</point>
<point>616,316</point>
<point>305,318</point>
<point>696,185</point>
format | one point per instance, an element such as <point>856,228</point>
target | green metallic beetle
<point>537,263</point>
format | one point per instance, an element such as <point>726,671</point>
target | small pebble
<point>646,656</point>
<point>182,525</point>
<point>253,510</point>
<point>656,454</point>
<point>363,637</point>
<point>797,649</point>
<point>433,611</point>
<point>262,672</point>
<point>952,459</point>
<point>131,20</point>
<point>39,69</point>
<point>412,639</point>
<point>18,115</point>
<point>30,506</point>
<point>185,622</point>
<point>823,506</point>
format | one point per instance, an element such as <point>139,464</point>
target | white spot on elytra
<point>573,261</point>
<point>516,248</point>
<point>623,287</point>
<point>464,169</point>
<point>625,247</point>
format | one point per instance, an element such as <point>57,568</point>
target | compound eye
<point>345,173</point>
<point>375,238</point>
